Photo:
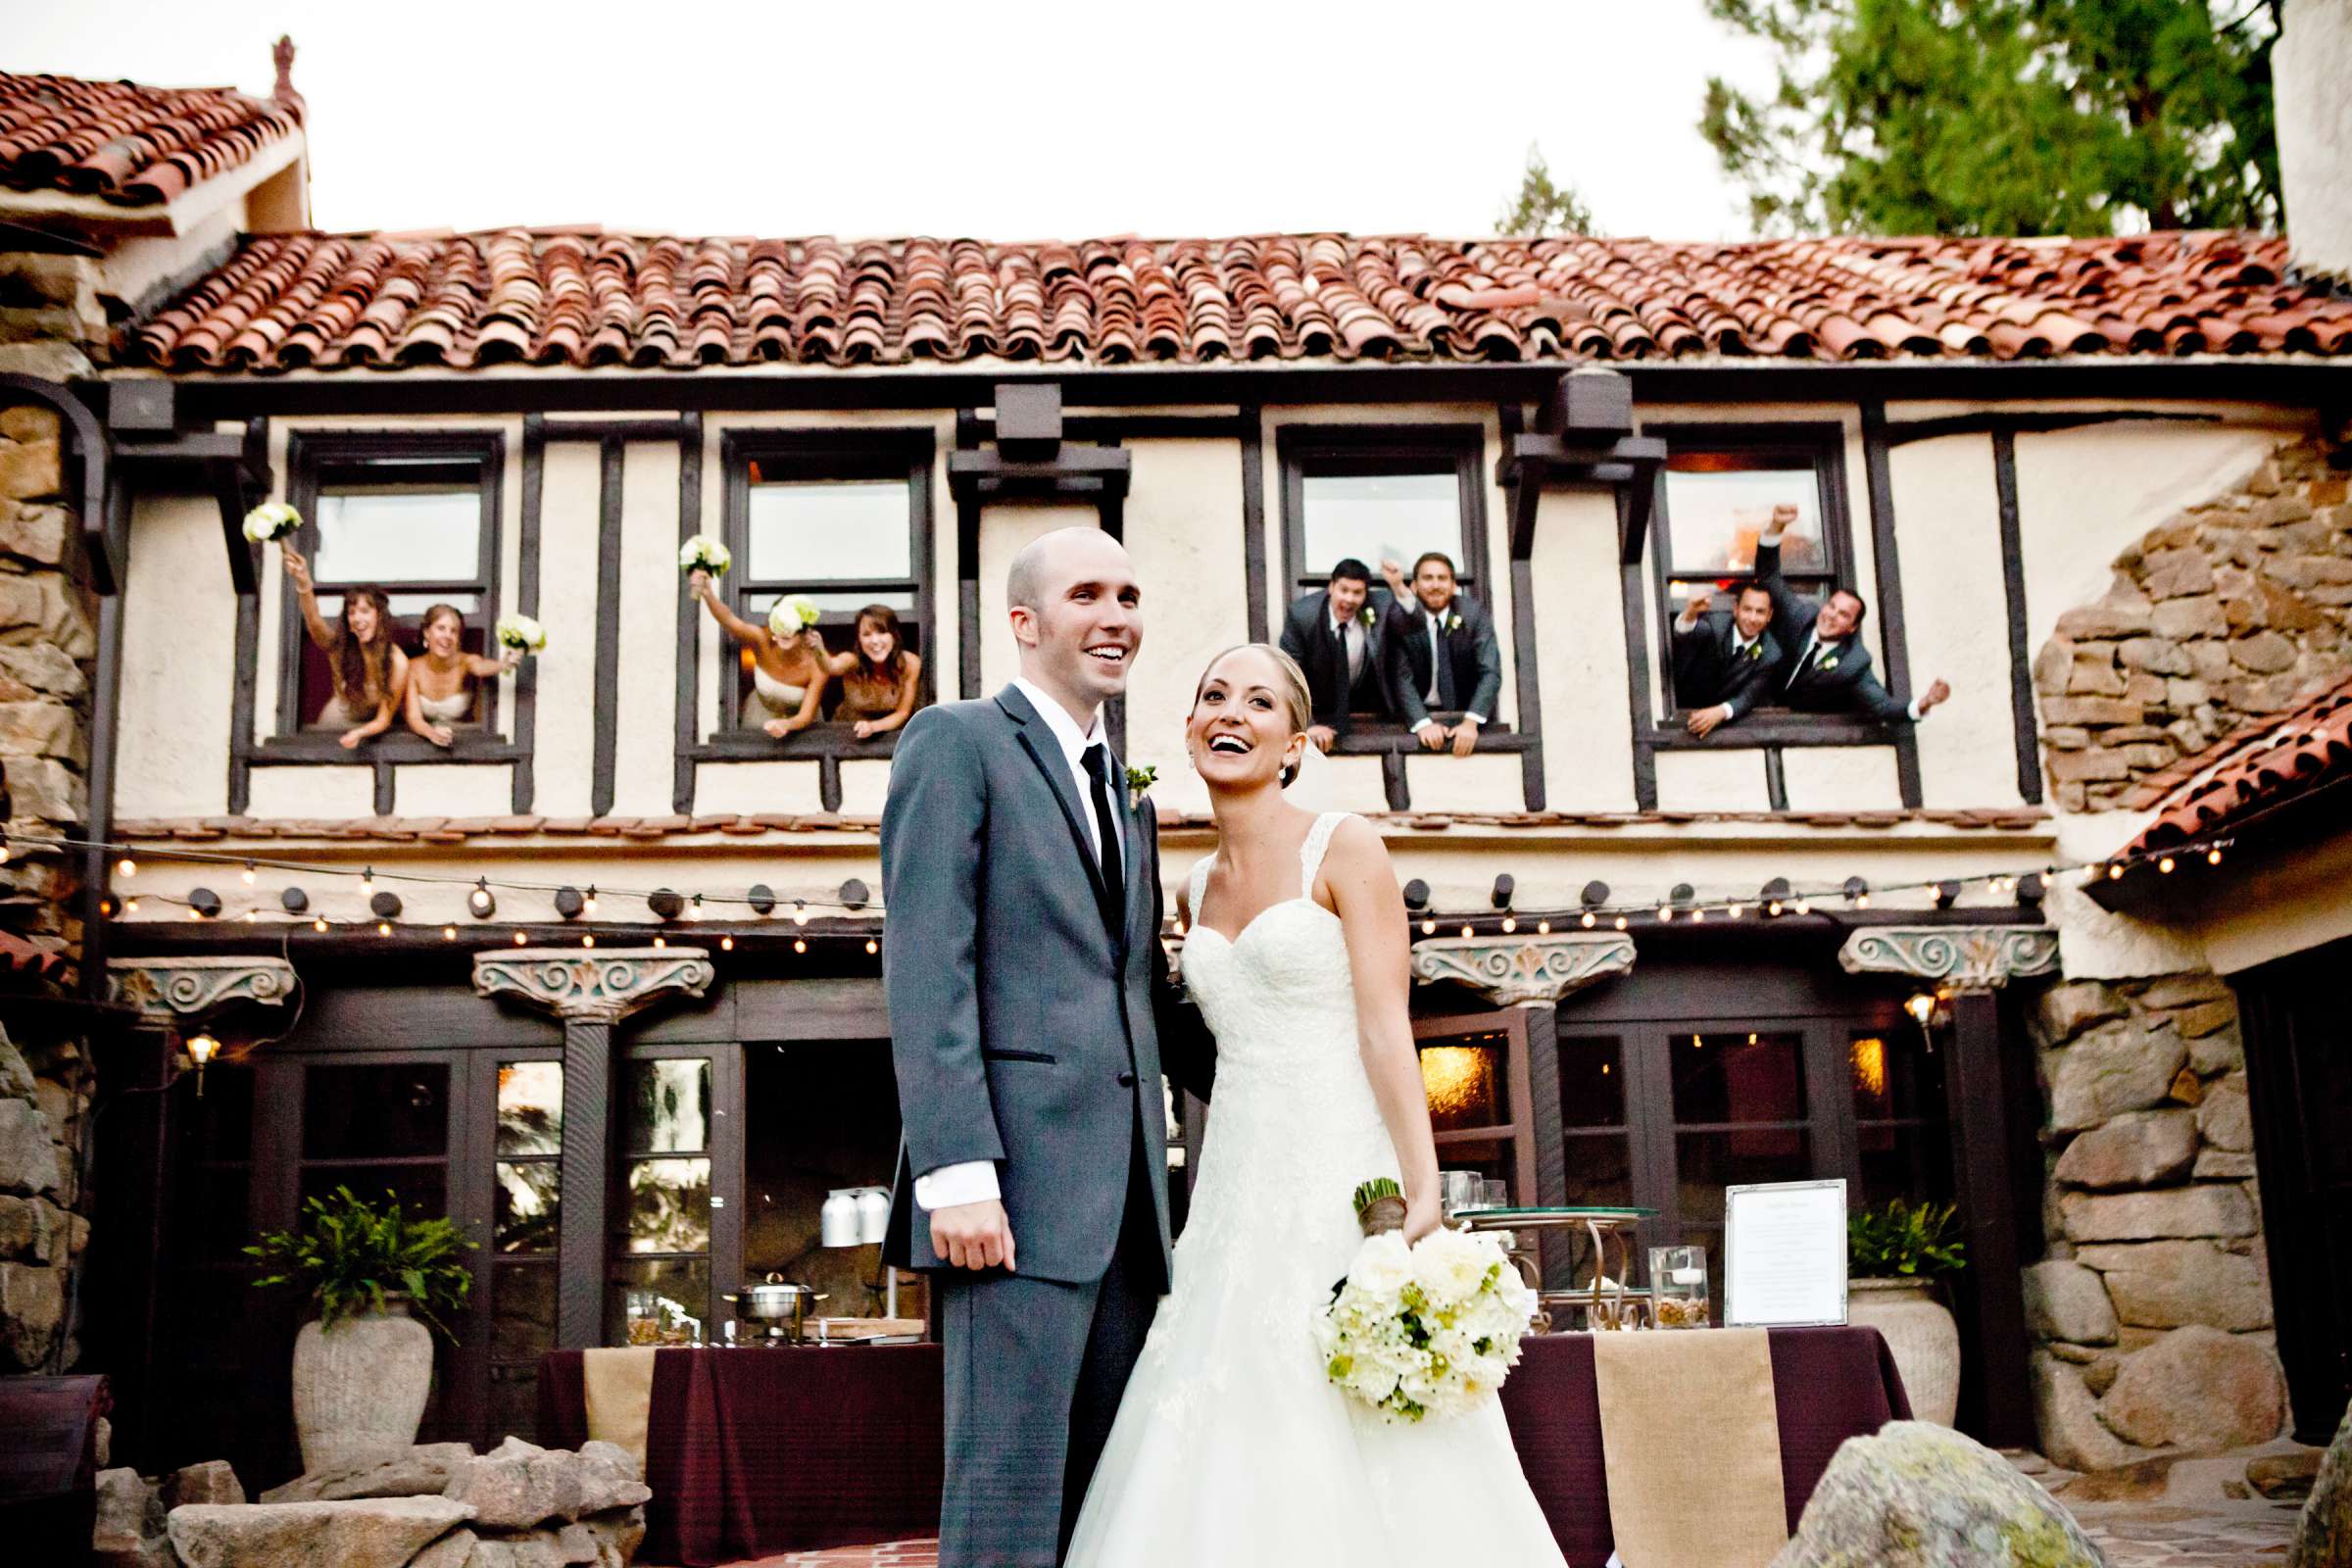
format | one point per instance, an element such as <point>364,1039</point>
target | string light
<point>872,946</point>
<point>726,944</point>
<point>518,939</point>
<point>2165,865</point>
<point>248,873</point>
<point>384,928</point>
<point>126,866</point>
<point>448,933</point>
<point>661,941</point>
<point>1509,925</point>
<point>799,945</point>
<point>1590,920</point>
<point>319,924</point>
<point>1621,922</point>
<point>368,880</point>
<point>1468,933</point>
<point>1543,927</point>
<point>800,911</point>
<point>588,939</point>
<point>2213,857</point>
<point>2114,871</point>
<point>1429,928</point>
<point>590,905</point>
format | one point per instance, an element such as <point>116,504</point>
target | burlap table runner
<point>1691,1447</point>
<point>617,1386</point>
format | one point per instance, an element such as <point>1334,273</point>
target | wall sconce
<point>1927,1009</point>
<point>202,1048</point>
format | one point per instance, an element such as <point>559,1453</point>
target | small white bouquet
<point>271,520</point>
<point>794,613</point>
<point>1427,1330</point>
<point>522,633</point>
<point>706,553</point>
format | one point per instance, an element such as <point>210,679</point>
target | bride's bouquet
<point>271,520</point>
<point>1424,1329</point>
<point>522,633</point>
<point>703,552</point>
<point>794,613</point>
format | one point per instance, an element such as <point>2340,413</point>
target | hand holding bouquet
<point>1423,1329</point>
<point>702,553</point>
<point>271,520</point>
<point>522,633</point>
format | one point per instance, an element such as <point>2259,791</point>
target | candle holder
<point>1677,1288</point>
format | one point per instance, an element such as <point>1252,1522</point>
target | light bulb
<point>448,933</point>
<point>590,906</point>
<point>1590,920</point>
<point>872,946</point>
<point>2213,857</point>
<point>2165,865</point>
<point>799,945</point>
<point>384,928</point>
<point>589,940</point>
<point>1509,925</point>
<point>126,866</point>
<point>800,913</point>
<point>1542,928</point>
<point>368,880</point>
<point>1698,916</point>
<point>247,873</point>
<point>661,941</point>
<point>1621,922</point>
<point>1468,933</point>
<point>1429,928</point>
<point>518,939</point>
<point>319,924</point>
<point>1733,913</point>
<point>202,1048</point>
<point>726,944</point>
<point>2115,872</point>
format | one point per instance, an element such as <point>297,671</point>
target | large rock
<point>2064,1301</point>
<point>32,1306</point>
<point>27,1156</point>
<point>376,1533</point>
<point>537,1550</point>
<point>423,1471</point>
<point>452,1550</point>
<point>514,1490</point>
<point>2225,1117</point>
<point>2066,1010</point>
<point>2066,1414</point>
<point>2139,1149</point>
<point>1918,1495</point>
<point>2167,1284</point>
<point>2198,1388</point>
<point>2152,1216</point>
<point>213,1481</point>
<point>2324,1533</point>
<point>128,1511</point>
<point>2116,1068</point>
<point>609,1479</point>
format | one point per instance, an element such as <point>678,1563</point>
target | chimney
<point>282,54</point>
<point>2311,70</point>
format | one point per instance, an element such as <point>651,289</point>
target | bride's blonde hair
<point>1296,697</point>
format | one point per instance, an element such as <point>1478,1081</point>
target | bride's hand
<point>1422,1215</point>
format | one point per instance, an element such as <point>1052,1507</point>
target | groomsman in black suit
<point>1829,670</point>
<point>1339,638</point>
<point>1724,660</point>
<point>1443,656</point>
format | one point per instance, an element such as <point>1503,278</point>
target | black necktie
<point>1107,847</point>
<point>1442,657</point>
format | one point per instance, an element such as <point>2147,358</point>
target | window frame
<point>805,455</point>
<point>1822,447</point>
<point>1345,451</point>
<point>312,455</point>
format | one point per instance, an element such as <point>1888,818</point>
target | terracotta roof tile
<point>583,298</point>
<point>134,145</point>
<point>2267,763</point>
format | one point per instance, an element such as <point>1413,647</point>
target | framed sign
<point>1783,1263</point>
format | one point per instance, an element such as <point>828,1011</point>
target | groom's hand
<point>973,1235</point>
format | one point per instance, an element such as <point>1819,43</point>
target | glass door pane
<point>1739,1115</point>
<point>1474,1072</point>
<point>676,1210</point>
<point>518,1274</point>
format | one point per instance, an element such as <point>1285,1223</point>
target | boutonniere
<point>1365,615</point>
<point>1139,782</point>
<point>1755,650</point>
<point>1454,623</point>
<point>1829,663</point>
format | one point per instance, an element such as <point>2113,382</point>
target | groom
<point>1029,1001</point>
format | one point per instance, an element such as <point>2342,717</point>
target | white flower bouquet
<point>1426,1329</point>
<point>522,633</point>
<point>706,553</point>
<point>794,613</point>
<point>271,520</point>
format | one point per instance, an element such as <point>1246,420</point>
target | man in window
<point>1828,671</point>
<point>1725,661</point>
<point>1443,656</point>
<point>1339,638</point>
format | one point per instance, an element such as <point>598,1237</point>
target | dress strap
<point>1311,854</point>
<point>1198,887</point>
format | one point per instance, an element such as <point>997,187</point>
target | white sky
<point>1012,120</point>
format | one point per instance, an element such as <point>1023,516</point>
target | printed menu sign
<point>1784,1260</point>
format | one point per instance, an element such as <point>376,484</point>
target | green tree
<point>1542,206</point>
<point>2003,117</point>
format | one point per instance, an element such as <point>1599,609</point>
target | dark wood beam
<point>1991,1289</point>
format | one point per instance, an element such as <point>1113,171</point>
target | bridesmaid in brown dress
<point>880,677</point>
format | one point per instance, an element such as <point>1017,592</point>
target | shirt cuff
<point>972,1182</point>
<point>1729,711</point>
<point>1424,724</point>
<point>1480,719</point>
<point>1772,539</point>
<point>1917,712</point>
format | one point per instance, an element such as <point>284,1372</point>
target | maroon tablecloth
<point>753,1452</point>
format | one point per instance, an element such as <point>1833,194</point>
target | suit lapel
<point>1046,752</point>
<point>1131,838</point>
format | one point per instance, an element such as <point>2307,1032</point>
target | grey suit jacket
<point>1473,656</point>
<point>1023,1030</point>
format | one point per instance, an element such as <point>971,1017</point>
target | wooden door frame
<point>1520,1129</point>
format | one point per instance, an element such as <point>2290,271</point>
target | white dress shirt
<point>974,1181</point>
<point>1814,645</point>
<point>1351,635</point>
<point>1437,650</point>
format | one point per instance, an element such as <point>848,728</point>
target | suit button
<point>1126,1080</point>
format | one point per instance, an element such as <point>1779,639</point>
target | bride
<point>1231,1447</point>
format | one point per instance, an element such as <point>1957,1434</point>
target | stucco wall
<point>179,646</point>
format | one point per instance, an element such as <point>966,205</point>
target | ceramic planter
<point>1920,1331</point>
<point>359,1387</point>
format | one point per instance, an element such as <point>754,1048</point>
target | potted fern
<point>1896,1256</point>
<point>364,1367</point>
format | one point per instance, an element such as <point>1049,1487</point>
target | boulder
<point>423,1471</point>
<point>2198,1388</point>
<point>617,1535</point>
<point>1918,1495</point>
<point>213,1481</point>
<point>128,1511</point>
<point>372,1533</point>
<point>575,1542</point>
<point>2185,990</point>
<point>2225,1117</point>
<point>452,1550</point>
<point>2139,1149</point>
<point>2066,1415</point>
<point>533,1550</point>
<point>2116,1068</point>
<point>518,1486</point>
<point>2066,1010</point>
<point>2168,1285</point>
<point>2213,1055</point>
<point>2064,1301</point>
<point>2151,1216</point>
<point>2285,1475</point>
<point>610,1455</point>
<point>28,1157</point>
<point>2323,1532</point>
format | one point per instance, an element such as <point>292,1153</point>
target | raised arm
<point>1363,889</point>
<point>698,582</point>
<point>298,572</point>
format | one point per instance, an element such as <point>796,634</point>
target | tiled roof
<point>2270,764</point>
<point>138,146</point>
<point>429,830</point>
<point>582,298</point>
<point>29,960</point>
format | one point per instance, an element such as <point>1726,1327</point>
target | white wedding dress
<point>1231,1448</point>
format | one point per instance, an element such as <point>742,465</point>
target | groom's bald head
<point>1075,608</point>
<point>1046,562</point>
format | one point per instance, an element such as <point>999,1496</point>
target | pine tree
<point>2003,117</point>
<point>1542,206</point>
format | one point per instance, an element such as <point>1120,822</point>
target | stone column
<point>1967,964</point>
<point>591,992</point>
<point>1533,973</point>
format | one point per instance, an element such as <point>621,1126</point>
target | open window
<point>1381,492</point>
<point>412,514</point>
<point>840,518</point>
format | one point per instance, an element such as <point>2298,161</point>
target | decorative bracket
<point>167,991</point>
<point>1965,957</point>
<point>1531,970</point>
<point>593,987</point>
<point>1584,435</point>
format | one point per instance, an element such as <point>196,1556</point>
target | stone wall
<point>2222,616</point>
<point>2151,1310</point>
<point>45,1093</point>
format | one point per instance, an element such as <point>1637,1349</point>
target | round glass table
<point>1607,1300</point>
